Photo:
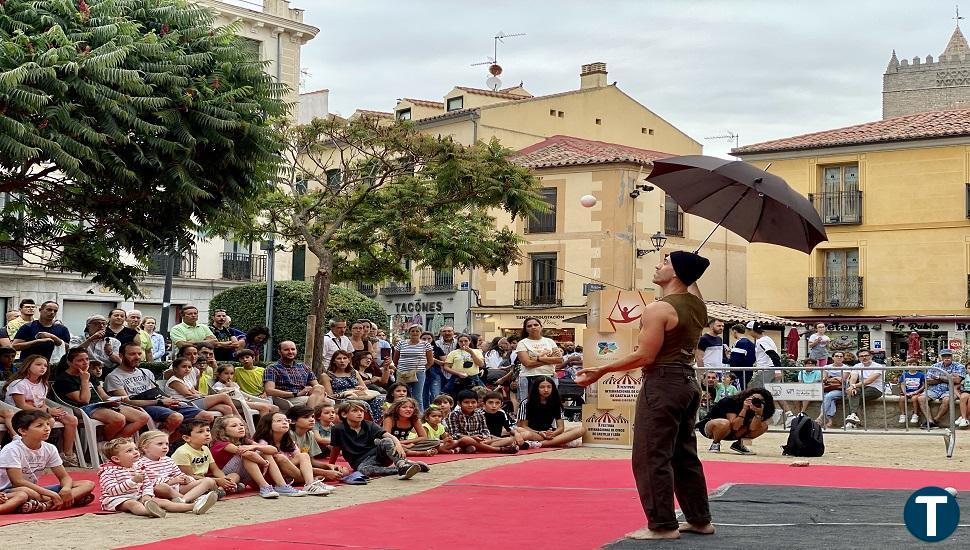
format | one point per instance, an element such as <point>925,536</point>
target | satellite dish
<point>493,83</point>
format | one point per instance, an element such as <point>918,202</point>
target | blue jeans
<point>456,384</point>
<point>416,389</point>
<point>434,380</point>
<point>829,400</point>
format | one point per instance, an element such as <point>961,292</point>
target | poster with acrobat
<point>614,310</point>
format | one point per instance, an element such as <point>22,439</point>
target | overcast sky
<point>764,69</point>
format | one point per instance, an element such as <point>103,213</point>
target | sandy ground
<point>109,531</point>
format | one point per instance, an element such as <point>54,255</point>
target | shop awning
<point>729,313</point>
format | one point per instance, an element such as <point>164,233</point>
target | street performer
<point>664,445</point>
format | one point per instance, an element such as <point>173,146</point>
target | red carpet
<point>540,503</point>
<point>447,457</point>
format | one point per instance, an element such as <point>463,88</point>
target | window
<point>599,121</point>
<point>456,103</point>
<point>333,179</point>
<point>650,131</point>
<point>841,287</point>
<point>840,201</point>
<point>298,272</point>
<point>404,114</point>
<point>673,218</point>
<point>552,112</point>
<point>543,287</point>
<point>300,187</point>
<point>559,114</point>
<point>545,222</point>
<point>250,47</point>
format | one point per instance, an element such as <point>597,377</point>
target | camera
<point>757,402</point>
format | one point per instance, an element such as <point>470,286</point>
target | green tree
<point>127,126</point>
<point>363,195</point>
<point>292,302</point>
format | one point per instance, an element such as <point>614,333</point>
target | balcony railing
<point>185,265</point>
<point>436,280</point>
<point>842,208</point>
<point>240,266</point>
<point>674,223</point>
<point>397,289</point>
<point>835,292</point>
<point>540,292</point>
<point>8,256</point>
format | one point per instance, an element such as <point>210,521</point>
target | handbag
<point>407,377</point>
<point>832,383</point>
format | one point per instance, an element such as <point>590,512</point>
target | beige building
<point>586,126</point>
<point>277,32</point>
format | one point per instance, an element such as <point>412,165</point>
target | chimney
<point>593,75</point>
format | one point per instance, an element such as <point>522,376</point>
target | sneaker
<point>321,483</point>
<point>853,419</point>
<point>240,487</point>
<point>424,467</point>
<point>530,445</point>
<point>789,414</point>
<point>739,448</point>
<point>220,492</point>
<point>316,489</point>
<point>776,418</point>
<point>70,460</point>
<point>154,509</point>
<point>902,419</point>
<point>715,448</point>
<point>180,500</point>
<point>268,492</point>
<point>914,419</point>
<point>289,491</point>
<point>204,503</point>
<point>962,422</point>
<point>407,471</point>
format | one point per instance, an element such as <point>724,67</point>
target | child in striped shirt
<point>123,488</point>
<point>168,480</point>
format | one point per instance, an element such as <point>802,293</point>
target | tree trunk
<point>321,295</point>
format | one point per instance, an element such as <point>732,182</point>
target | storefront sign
<point>864,341</point>
<point>542,317</point>
<point>847,327</point>
<point>418,306</point>
<point>915,326</point>
<point>955,344</point>
<point>963,327</point>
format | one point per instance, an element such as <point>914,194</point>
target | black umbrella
<point>758,206</point>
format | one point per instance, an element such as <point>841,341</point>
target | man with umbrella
<point>664,445</point>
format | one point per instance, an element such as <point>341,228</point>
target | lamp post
<point>658,239</point>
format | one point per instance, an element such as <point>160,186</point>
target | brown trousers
<point>665,459</point>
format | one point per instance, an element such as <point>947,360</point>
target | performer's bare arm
<point>657,318</point>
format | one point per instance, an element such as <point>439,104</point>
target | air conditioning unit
<point>464,285</point>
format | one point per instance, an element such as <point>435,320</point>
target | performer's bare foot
<point>700,529</point>
<point>649,534</point>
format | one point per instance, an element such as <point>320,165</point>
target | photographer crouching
<point>737,417</point>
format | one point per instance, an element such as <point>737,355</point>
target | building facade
<point>926,84</point>
<point>277,32</point>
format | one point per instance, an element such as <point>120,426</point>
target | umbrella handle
<point>728,213</point>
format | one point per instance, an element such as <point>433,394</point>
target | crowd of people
<point>215,423</point>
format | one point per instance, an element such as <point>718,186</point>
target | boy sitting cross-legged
<point>195,459</point>
<point>367,447</point>
<point>22,460</point>
<point>125,489</point>
<point>468,425</point>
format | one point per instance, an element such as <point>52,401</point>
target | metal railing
<point>539,292</point>
<point>397,289</point>
<point>438,280</point>
<point>367,289</point>
<point>835,292</point>
<point>785,393</point>
<point>839,208</point>
<point>9,256</point>
<point>185,266</point>
<point>240,266</point>
<point>674,223</point>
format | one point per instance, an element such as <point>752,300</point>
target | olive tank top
<point>679,343</point>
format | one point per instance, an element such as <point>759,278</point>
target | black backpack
<point>804,438</point>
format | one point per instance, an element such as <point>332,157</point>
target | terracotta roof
<point>730,313</point>
<point>377,114</point>
<point>934,124</point>
<point>457,113</point>
<point>492,93</point>
<point>425,102</point>
<point>573,151</point>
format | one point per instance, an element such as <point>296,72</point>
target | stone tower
<point>920,86</point>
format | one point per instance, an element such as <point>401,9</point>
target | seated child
<point>28,388</point>
<point>813,376</point>
<point>726,387</point>
<point>467,424</point>
<point>195,459</point>
<point>325,415</point>
<point>168,480</point>
<point>125,489</point>
<point>402,420</point>
<point>179,386</point>
<point>224,384</point>
<point>236,453</point>
<point>396,391</point>
<point>436,430</point>
<point>367,447</point>
<point>446,403</point>
<point>498,421</point>
<point>249,377</point>
<point>912,383</point>
<point>301,428</point>
<point>24,459</point>
<point>541,417</point>
<point>274,429</point>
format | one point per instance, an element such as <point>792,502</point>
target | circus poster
<point>619,389</point>
<point>608,428</point>
<point>612,310</point>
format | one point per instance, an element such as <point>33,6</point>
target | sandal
<point>83,501</point>
<point>30,506</point>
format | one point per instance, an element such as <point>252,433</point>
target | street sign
<point>591,287</point>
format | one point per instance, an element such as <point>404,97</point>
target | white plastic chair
<point>90,428</point>
<point>57,425</point>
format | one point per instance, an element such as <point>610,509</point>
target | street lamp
<point>658,240</point>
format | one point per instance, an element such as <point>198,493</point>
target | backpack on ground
<point>804,438</point>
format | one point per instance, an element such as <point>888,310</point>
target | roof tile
<point>492,93</point>
<point>425,102</point>
<point>572,151</point>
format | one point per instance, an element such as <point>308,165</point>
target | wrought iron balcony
<point>674,223</point>
<point>185,265</point>
<point>437,280</point>
<point>835,292</point>
<point>8,256</point>
<point>397,289</point>
<point>240,266</point>
<point>367,289</point>
<point>540,292</point>
<point>842,208</point>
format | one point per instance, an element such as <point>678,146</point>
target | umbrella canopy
<point>758,206</point>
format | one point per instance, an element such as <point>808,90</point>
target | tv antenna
<point>493,82</point>
<point>727,136</point>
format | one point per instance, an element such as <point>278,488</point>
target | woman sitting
<point>541,421</point>
<point>376,377</point>
<point>341,381</point>
<point>737,417</point>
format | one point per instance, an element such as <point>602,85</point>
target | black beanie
<point>688,266</point>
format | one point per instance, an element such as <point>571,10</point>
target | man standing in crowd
<point>118,327</point>
<point>436,375</point>
<point>710,346</point>
<point>664,443</point>
<point>227,338</point>
<point>291,380</point>
<point>335,341</point>
<point>27,310</point>
<point>134,323</point>
<point>43,335</point>
<point>189,331</point>
<point>742,356</point>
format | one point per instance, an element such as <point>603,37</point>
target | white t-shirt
<point>535,348</point>
<point>866,373</point>
<point>761,349</point>
<point>168,390</point>
<point>33,393</point>
<point>18,455</point>
<point>332,344</point>
<point>821,351</point>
